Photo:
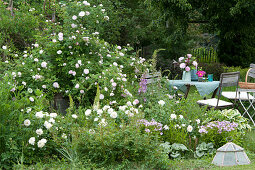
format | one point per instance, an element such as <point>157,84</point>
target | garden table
<point>203,88</point>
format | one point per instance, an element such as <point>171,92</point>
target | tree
<point>233,21</point>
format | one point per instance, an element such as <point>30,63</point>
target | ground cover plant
<point>115,118</point>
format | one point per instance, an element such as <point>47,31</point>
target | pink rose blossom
<point>189,55</point>
<point>187,68</point>
<point>182,65</point>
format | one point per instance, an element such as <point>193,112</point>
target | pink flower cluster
<point>200,73</point>
<point>187,62</point>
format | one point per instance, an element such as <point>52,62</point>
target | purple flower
<point>143,85</point>
<point>147,130</point>
<point>221,126</point>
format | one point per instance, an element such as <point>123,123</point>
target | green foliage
<point>112,144</point>
<point>16,106</point>
<point>213,68</point>
<point>18,31</point>
<point>232,115</point>
<point>175,150</point>
<point>204,149</point>
<point>242,71</point>
<point>175,134</point>
<point>219,134</point>
<point>233,22</point>
<point>249,139</point>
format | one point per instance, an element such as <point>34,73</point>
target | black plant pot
<point>60,103</point>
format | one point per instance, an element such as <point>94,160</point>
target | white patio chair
<point>226,80</point>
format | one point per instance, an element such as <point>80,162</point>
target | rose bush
<point>69,58</point>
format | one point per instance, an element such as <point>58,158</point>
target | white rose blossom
<point>114,115</point>
<point>86,71</point>
<point>47,125</point>
<point>161,102</point>
<point>59,52</point>
<point>82,14</point>
<point>173,116</point>
<point>44,64</point>
<point>39,114</point>
<point>77,86</point>
<point>31,99</point>
<point>56,85</point>
<point>74,116</point>
<point>27,122</point>
<point>39,131</point>
<point>31,141</point>
<point>41,143</point>
<point>87,112</point>
<point>53,115</point>
<point>74,17</point>
<point>101,96</point>
<point>189,128</point>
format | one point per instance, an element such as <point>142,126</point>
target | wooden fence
<point>205,55</point>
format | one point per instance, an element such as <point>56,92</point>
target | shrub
<point>232,115</point>
<point>74,60</point>
<point>15,120</point>
<point>111,144</point>
<point>213,68</point>
<point>242,71</point>
<point>18,31</point>
<point>219,132</point>
<point>249,139</point>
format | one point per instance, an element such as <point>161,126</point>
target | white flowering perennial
<point>43,64</point>
<point>47,125</point>
<point>31,141</point>
<point>39,131</point>
<point>41,143</point>
<point>189,128</point>
<point>88,112</point>
<point>49,120</point>
<point>82,14</point>
<point>27,122</point>
<point>74,116</point>
<point>161,102</point>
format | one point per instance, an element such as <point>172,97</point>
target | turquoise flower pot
<point>194,76</point>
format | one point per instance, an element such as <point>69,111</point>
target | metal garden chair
<point>226,80</point>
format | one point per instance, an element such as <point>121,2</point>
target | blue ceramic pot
<point>194,76</point>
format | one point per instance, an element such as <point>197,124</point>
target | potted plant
<point>200,75</point>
